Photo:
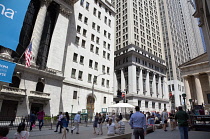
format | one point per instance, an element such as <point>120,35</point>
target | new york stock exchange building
<point>62,71</point>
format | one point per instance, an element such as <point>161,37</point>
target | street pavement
<point>87,133</point>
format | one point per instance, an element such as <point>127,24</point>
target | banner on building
<point>12,13</point>
<point>6,71</point>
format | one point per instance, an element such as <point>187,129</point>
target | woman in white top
<point>111,128</point>
<point>21,133</point>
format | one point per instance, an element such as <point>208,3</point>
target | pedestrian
<point>4,130</point>
<point>113,117</point>
<point>40,117</point>
<point>111,128</point>
<point>172,120</point>
<point>164,117</point>
<point>120,127</point>
<point>151,121</point>
<point>100,124</point>
<point>32,120</point>
<point>120,116</point>
<point>138,124</point>
<point>131,112</point>
<point>64,124</point>
<point>95,123</point>
<point>76,123</point>
<point>67,120</point>
<point>107,118</point>
<point>182,118</point>
<point>59,123</point>
<point>21,132</point>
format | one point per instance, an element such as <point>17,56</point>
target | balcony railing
<point>40,95</point>
<point>13,90</point>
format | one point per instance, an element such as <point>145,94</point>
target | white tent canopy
<point>121,105</point>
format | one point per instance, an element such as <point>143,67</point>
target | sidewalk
<point>87,133</point>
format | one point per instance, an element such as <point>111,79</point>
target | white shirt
<point>111,128</point>
<point>22,135</point>
<point>77,118</point>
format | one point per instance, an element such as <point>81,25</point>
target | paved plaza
<point>87,133</point>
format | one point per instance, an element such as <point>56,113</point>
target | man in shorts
<point>164,117</point>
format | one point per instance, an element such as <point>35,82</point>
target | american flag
<point>28,55</point>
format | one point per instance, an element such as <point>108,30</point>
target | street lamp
<point>92,100</point>
<point>184,97</point>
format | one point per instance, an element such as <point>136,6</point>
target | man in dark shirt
<point>182,118</point>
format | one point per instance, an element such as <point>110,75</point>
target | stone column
<point>198,90</point>
<point>159,87</point>
<point>142,105</point>
<point>58,41</point>
<point>132,79</point>
<point>147,83</point>
<point>122,80</point>
<point>38,28</point>
<point>187,90</point>
<point>154,85</point>
<point>115,87</point>
<point>141,82</point>
<point>165,88</point>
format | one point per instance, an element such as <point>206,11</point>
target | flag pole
<point>25,50</point>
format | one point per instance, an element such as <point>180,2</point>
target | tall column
<point>154,85</point>
<point>159,87</point>
<point>115,87</point>
<point>38,28</point>
<point>132,79</point>
<point>165,88</point>
<point>187,90</point>
<point>122,80</point>
<point>141,82</point>
<point>199,90</point>
<point>58,41</point>
<point>147,83</point>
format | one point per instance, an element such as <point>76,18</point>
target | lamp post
<point>184,97</point>
<point>92,100</point>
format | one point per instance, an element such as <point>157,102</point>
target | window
<point>99,15</point>
<point>92,37</point>
<point>108,56</point>
<point>86,20</point>
<point>91,63</point>
<point>94,11</point>
<point>98,28</point>
<point>164,106</point>
<point>77,40</point>
<point>97,40</point>
<point>104,44</point>
<point>105,33</point>
<point>103,68</point>
<point>83,43</point>
<point>105,20</point>
<point>78,28</point>
<point>80,17</point>
<point>139,103</point>
<point>75,95</point>
<point>73,73</point>
<point>97,50</point>
<point>87,6</point>
<point>107,83</point>
<point>146,104</point>
<point>109,36</point>
<point>108,46</point>
<point>95,79</point>
<point>109,22</point>
<point>93,25</point>
<point>75,57</point>
<point>89,78</point>
<point>84,32</point>
<point>103,82</point>
<point>208,98</point>
<point>91,47</point>
<point>108,70</point>
<point>153,105</point>
<point>96,65</point>
<point>104,54</point>
<point>104,100</point>
<point>159,105</point>
<point>80,75</point>
<point>81,60</point>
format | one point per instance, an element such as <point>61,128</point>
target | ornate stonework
<point>65,11</point>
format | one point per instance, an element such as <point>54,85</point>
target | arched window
<point>49,25</point>
<point>27,28</point>
<point>40,86</point>
<point>15,82</point>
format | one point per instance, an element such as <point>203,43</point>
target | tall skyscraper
<point>182,42</point>
<point>140,69</point>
